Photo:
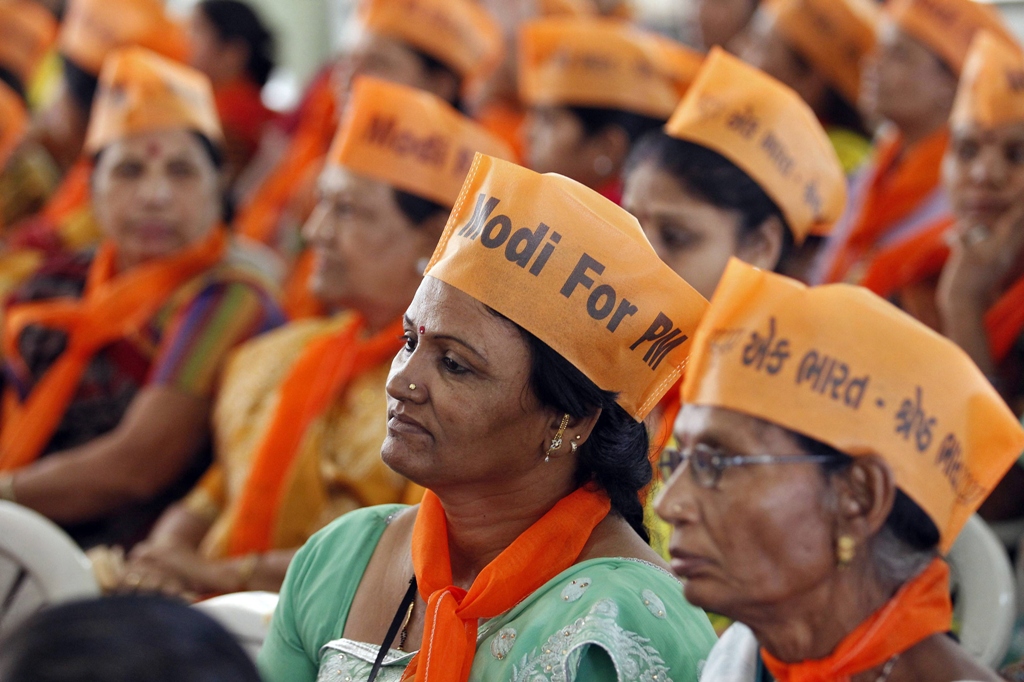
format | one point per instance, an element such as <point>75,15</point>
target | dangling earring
<point>846,549</point>
<point>556,443</point>
<point>603,166</point>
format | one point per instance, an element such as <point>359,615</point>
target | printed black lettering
<point>855,392</point>
<point>661,326</point>
<point>836,378</point>
<point>625,309</point>
<point>529,240</point>
<point>663,346</point>
<point>484,208</point>
<point>810,368</point>
<point>579,275</point>
<point>380,130</point>
<point>493,239</point>
<point>598,309</point>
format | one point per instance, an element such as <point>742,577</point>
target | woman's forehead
<point>442,309</point>
<point>730,428</point>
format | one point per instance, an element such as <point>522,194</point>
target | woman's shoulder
<point>625,611</point>
<point>361,528</point>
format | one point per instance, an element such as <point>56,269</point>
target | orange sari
<point>322,373</point>
<point>920,609</point>
<point>114,306</point>
<point>901,179</point>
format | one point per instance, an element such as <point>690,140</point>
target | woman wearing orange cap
<point>592,88</point>
<point>722,23</point>
<point>298,423</point>
<point>817,47</point>
<point>543,333</point>
<point>111,357</point>
<point>830,448</point>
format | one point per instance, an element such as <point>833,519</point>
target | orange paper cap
<point>459,33</point>
<point>562,8</point>
<point>27,31</point>
<point>842,366</point>
<point>141,92</point>
<point>771,134</point>
<point>13,122</point>
<point>947,27</point>
<point>834,35</point>
<point>991,91</point>
<point>576,271</point>
<point>602,63</point>
<point>92,29</point>
<point>410,139</point>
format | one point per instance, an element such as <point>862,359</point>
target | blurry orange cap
<point>991,91</point>
<point>13,122</point>
<point>834,35</point>
<point>140,92</point>
<point>27,32</point>
<point>560,8</point>
<point>842,366</point>
<point>459,33</point>
<point>947,27</point>
<point>771,134</point>
<point>602,63</point>
<point>92,29</point>
<point>410,139</point>
<point>574,270</point>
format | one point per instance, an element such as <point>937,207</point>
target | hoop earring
<point>556,442</point>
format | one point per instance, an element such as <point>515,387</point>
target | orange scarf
<point>910,261</point>
<point>322,373</point>
<point>544,550</point>
<point>259,219</point>
<point>299,301</point>
<point>1005,320</point>
<point>919,610</point>
<point>114,306</point>
<point>899,183</point>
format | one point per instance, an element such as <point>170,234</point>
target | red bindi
<point>153,149</point>
<point>423,330</point>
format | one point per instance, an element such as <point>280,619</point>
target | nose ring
<point>412,387</point>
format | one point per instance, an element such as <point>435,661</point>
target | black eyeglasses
<point>707,464</point>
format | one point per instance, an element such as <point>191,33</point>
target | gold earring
<point>846,549</point>
<point>556,443</point>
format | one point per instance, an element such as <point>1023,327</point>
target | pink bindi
<point>153,149</point>
<point>423,330</point>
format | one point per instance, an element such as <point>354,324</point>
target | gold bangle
<point>246,570</point>
<point>7,488</point>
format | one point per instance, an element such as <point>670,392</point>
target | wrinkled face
<point>155,194</point>
<point>472,418</point>
<point>983,172</point>
<point>904,81</point>
<point>365,248</point>
<point>692,236</point>
<point>555,138</point>
<point>719,21</point>
<point>764,535</point>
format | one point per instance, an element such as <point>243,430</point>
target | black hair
<point>596,119</point>
<point>11,80</point>
<point>123,639</point>
<point>80,83</point>
<point>713,178</point>
<point>435,67</point>
<point>614,457</point>
<point>416,208</point>
<point>236,21</point>
<point>906,521</point>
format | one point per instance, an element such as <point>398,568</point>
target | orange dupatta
<point>322,373</point>
<point>910,261</point>
<point>897,186</point>
<point>114,306</point>
<point>1005,320</point>
<point>920,609</point>
<point>544,550</point>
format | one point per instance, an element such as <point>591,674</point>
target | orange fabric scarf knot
<point>544,550</point>
<point>920,609</point>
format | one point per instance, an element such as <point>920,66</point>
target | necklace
<point>404,632</point>
<point>887,670</point>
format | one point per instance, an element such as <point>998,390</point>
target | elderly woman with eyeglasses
<point>829,449</point>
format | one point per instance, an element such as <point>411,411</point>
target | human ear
<point>865,494</point>
<point>762,247</point>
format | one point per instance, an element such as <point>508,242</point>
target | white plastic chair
<point>246,615</point>
<point>39,565</point>
<point>986,601</point>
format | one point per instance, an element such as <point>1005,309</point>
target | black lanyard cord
<point>396,625</point>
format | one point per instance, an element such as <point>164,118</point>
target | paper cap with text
<point>834,35</point>
<point>140,92</point>
<point>946,27</point>
<point>27,32</point>
<point>410,139</point>
<point>844,367</point>
<point>458,33</point>
<point>576,271</point>
<point>607,63</point>
<point>771,134</point>
<point>991,91</point>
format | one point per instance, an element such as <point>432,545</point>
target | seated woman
<point>980,292</point>
<point>830,448</point>
<point>108,386</point>
<point>818,48</point>
<point>235,50</point>
<point>544,331</point>
<point>298,424</point>
<point>592,87</point>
